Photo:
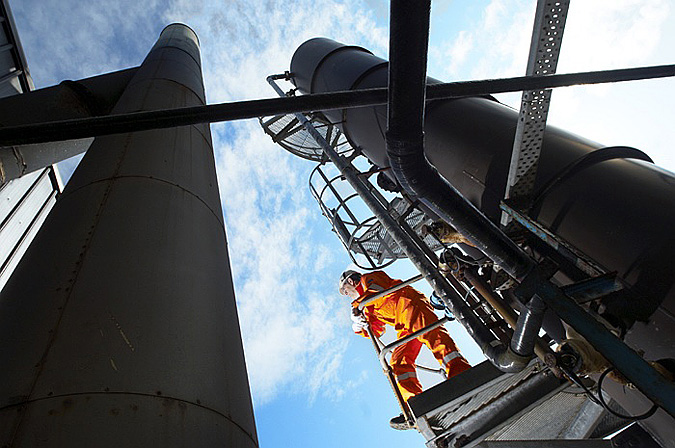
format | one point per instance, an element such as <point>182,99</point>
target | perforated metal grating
<point>457,411</point>
<point>291,135</point>
<point>534,111</point>
<point>372,239</point>
<point>547,421</point>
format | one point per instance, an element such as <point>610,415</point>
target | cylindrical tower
<point>610,203</point>
<point>119,327</point>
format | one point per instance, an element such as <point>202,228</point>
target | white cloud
<point>455,53</point>
<point>294,338</point>
<point>493,45</point>
<point>607,34</point>
<point>494,14</point>
<point>604,35</point>
<point>84,38</point>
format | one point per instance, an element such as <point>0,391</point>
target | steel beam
<point>213,113</point>
<point>69,100</point>
<point>549,24</point>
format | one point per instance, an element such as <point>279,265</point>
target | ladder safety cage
<point>359,231</point>
<point>353,223</point>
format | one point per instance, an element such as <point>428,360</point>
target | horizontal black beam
<point>160,119</point>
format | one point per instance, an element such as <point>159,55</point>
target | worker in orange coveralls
<point>407,310</point>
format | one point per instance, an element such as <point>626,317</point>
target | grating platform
<point>290,134</point>
<point>486,404</point>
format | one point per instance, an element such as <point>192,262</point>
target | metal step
<point>486,404</point>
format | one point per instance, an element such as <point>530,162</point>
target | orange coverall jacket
<point>400,309</point>
<point>407,310</point>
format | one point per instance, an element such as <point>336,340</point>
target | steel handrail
<point>407,412</point>
<point>397,343</point>
<point>432,370</point>
<point>370,299</point>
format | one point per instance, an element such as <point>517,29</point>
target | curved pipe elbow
<point>505,359</point>
<point>417,176</point>
<point>528,326</point>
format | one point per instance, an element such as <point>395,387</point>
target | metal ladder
<point>363,234</point>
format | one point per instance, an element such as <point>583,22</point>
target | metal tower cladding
<point>119,327</point>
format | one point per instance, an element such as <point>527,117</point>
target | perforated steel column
<point>549,24</point>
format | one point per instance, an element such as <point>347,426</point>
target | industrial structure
<point>98,292</point>
<point>526,233</point>
<point>25,201</point>
<point>517,227</point>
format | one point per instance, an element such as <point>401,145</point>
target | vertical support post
<point>119,327</point>
<point>549,24</point>
<point>407,413</point>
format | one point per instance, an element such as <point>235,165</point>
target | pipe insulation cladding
<point>119,326</point>
<point>611,203</point>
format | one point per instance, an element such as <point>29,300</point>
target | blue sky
<point>313,382</point>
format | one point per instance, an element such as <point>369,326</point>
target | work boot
<point>400,423</point>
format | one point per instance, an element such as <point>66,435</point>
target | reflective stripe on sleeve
<point>450,356</point>
<point>405,376</point>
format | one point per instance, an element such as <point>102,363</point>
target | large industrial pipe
<point>405,140</point>
<point>69,100</point>
<point>405,151</point>
<point>469,142</point>
<point>619,211</point>
<point>119,327</point>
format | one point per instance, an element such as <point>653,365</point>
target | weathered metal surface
<point>549,25</point>
<point>126,334</point>
<point>161,119</point>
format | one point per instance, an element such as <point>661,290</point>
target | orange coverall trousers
<point>408,311</point>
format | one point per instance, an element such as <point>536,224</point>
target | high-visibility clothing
<point>408,310</point>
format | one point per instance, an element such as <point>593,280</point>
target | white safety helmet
<point>343,279</point>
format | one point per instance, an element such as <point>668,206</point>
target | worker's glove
<point>359,321</point>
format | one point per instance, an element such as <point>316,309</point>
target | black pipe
<point>527,329</point>
<point>405,141</point>
<point>408,38</point>
<point>498,353</point>
<point>409,33</point>
<point>213,113</point>
<point>405,148</point>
